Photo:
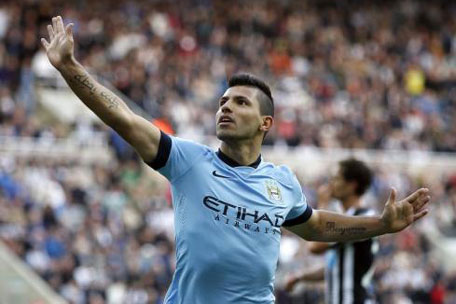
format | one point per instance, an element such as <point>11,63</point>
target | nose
<point>226,107</point>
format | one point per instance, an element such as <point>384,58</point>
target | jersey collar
<point>232,163</point>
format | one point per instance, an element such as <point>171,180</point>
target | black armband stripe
<point>164,149</point>
<point>304,217</point>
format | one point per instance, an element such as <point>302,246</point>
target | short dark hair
<point>265,99</point>
<point>357,171</point>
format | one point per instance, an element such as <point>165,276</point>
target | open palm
<point>399,215</point>
<point>60,48</point>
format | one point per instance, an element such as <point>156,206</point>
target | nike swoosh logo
<point>218,175</point>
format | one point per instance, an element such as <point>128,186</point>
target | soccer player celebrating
<point>349,266</point>
<point>229,204</point>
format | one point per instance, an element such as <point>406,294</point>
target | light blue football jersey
<point>227,224</point>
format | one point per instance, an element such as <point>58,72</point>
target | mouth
<point>225,120</point>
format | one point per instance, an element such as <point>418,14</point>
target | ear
<point>267,123</point>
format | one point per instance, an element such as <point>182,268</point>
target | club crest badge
<point>273,190</point>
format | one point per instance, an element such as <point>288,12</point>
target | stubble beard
<point>232,137</point>
<point>227,137</point>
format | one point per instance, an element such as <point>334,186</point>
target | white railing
<point>308,161</point>
<point>20,284</point>
<point>312,161</point>
<point>92,150</point>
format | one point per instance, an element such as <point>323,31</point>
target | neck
<point>243,153</point>
<point>351,201</point>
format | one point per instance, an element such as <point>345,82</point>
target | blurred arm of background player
<point>324,194</point>
<point>137,131</point>
<point>317,275</point>
<point>324,197</point>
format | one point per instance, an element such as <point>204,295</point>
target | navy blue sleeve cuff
<point>164,149</point>
<point>304,217</point>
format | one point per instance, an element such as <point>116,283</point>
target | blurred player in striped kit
<point>349,266</point>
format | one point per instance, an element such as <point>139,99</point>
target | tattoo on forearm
<point>331,228</point>
<point>84,81</point>
<point>113,103</point>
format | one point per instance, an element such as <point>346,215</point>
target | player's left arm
<point>326,226</point>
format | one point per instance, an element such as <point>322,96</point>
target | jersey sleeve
<point>175,156</point>
<point>301,211</point>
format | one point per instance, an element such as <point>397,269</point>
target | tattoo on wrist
<point>331,228</point>
<point>113,103</point>
<point>84,82</point>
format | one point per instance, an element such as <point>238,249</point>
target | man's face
<point>340,187</point>
<point>238,116</point>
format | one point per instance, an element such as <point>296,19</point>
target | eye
<point>222,101</point>
<point>242,101</point>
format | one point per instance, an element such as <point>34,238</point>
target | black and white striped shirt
<point>349,269</point>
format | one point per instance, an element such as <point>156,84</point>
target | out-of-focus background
<point>82,220</point>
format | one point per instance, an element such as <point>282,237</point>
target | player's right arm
<point>137,131</point>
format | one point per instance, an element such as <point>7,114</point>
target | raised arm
<point>328,226</point>
<point>137,131</point>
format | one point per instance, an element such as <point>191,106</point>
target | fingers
<point>57,29</point>
<point>69,30</point>
<point>392,197</point>
<point>60,27</point>
<point>45,43</point>
<point>50,32</point>
<point>422,201</point>
<point>57,25</point>
<point>54,25</point>
<point>420,215</point>
<point>415,195</point>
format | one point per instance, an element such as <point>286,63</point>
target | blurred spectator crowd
<point>95,234</point>
<point>351,74</point>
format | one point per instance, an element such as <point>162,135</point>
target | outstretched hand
<point>397,216</point>
<point>60,48</point>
